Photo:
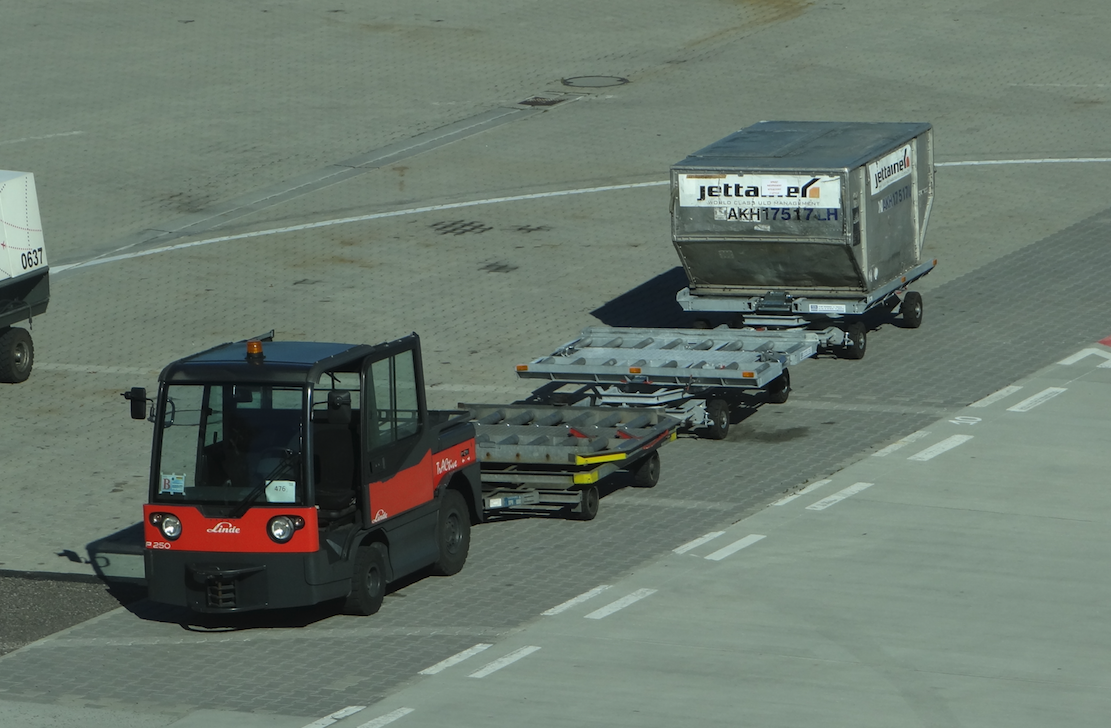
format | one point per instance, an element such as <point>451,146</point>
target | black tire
<point>368,580</point>
<point>779,389</point>
<point>588,504</point>
<point>858,342</point>
<point>647,471</point>
<point>453,534</point>
<point>911,310</point>
<point>17,355</point>
<point>718,412</point>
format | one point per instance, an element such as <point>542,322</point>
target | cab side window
<point>397,407</point>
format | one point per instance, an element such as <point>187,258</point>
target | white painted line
<point>1040,398</point>
<point>839,496</point>
<point>458,205</point>
<point>808,489</point>
<point>900,444</point>
<point>504,661</point>
<point>945,445</point>
<point>387,718</point>
<point>992,162</point>
<point>95,369</point>
<point>996,396</point>
<point>697,542</point>
<point>576,601</point>
<point>490,388</point>
<point>359,218</point>
<point>735,547</point>
<point>336,716</point>
<point>45,136</point>
<point>1069,360</point>
<point>454,659</point>
<point>620,603</point>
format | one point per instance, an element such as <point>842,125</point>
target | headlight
<point>281,528</point>
<point>170,527</point>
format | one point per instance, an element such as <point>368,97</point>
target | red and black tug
<point>286,474</point>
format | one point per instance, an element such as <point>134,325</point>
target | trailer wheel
<point>779,389</point>
<point>368,581</point>
<point>588,504</point>
<point>453,533</point>
<point>17,355</point>
<point>718,411</point>
<point>858,342</point>
<point>911,310</point>
<point>647,472</point>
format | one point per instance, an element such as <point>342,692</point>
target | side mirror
<point>137,396</point>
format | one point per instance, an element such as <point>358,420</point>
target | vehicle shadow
<point>651,304</point>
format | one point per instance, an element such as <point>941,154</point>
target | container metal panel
<point>21,244</point>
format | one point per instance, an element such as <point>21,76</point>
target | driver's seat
<point>334,459</point>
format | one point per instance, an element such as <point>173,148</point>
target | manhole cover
<point>594,81</point>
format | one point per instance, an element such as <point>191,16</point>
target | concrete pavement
<point>954,577</point>
<point>134,117</point>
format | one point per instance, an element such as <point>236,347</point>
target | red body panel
<point>417,485</point>
<point>230,535</point>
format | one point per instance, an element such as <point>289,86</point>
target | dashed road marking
<point>944,446</point>
<point>996,396</point>
<point>1084,353</point>
<point>620,603</point>
<point>839,496</point>
<point>505,661</point>
<point>808,489</point>
<point>455,659</point>
<point>735,547</point>
<point>336,716</point>
<point>576,601</point>
<point>387,718</point>
<point>900,444</point>
<point>697,542</point>
<point>1040,398</point>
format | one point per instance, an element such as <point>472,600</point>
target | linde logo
<point>889,168</point>
<point>445,465</point>
<point>773,188</point>
<point>224,527</point>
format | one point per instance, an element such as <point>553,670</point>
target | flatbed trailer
<point>693,374</point>
<point>536,457</point>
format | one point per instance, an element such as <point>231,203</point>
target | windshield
<point>224,444</point>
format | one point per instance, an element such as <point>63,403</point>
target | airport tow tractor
<point>289,473</point>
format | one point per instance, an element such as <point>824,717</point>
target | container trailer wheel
<point>911,309</point>
<point>718,412</point>
<point>368,581</point>
<point>588,504</point>
<point>17,355</point>
<point>779,389</point>
<point>858,341</point>
<point>453,533</point>
<point>647,472</point>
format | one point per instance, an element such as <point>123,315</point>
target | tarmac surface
<point>208,173</point>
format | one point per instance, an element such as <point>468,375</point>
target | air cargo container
<point>785,223</point>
